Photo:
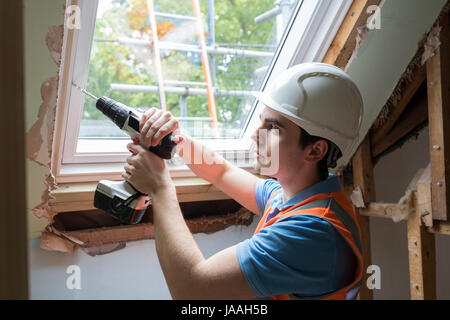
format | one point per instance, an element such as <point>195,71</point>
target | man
<point>307,243</point>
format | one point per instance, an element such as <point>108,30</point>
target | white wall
<point>131,273</point>
<point>39,15</point>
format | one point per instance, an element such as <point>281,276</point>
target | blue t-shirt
<point>302,254</point>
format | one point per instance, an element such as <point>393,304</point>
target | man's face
<point>277,145</point>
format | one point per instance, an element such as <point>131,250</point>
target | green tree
<point>112,62</point>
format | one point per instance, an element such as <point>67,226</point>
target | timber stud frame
<point>425,205</point>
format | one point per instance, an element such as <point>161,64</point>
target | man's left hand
<point>146,171</point>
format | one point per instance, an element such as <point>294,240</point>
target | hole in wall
<point>94,219</point>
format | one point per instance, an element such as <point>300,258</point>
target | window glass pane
<point>238,52</point>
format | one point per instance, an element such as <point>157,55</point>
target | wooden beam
<point>440,227</point>
<point>79,196</point>
<point>380,210</point>
<point>141,231</point>
<point>438,78</point>
<point>344,43</point>
<point>414,115</point>
<point>400,209</point>
<point>424,197</point>
<point>363,171</point>
<point>422,259</point>
<point>363,177</point>
<point>408,93</point>
<point>13,214</point>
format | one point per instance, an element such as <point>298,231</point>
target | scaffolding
<point>252,61</point>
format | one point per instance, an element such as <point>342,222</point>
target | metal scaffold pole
<point>212,39</point>
<point>206,68</point>
<point>156,55</point>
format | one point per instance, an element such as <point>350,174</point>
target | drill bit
<point>84,91</point>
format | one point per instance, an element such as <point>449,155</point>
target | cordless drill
<point>119,198</point>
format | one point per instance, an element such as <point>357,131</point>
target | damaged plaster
<point>426,49</point>
<point>105,240</point>
<point>362,32</point>
<point>44,209</point>
<point>39,138</point>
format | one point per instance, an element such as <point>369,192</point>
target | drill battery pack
<point>120,200</point>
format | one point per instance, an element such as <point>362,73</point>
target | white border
<point>83,46</point>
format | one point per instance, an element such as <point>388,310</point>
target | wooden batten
<point>363,178</point>
<point>440,227</point>
<point>421,230</point>
<point>66,241</point>
<point>396,211</point>
<point>409,113</point>
<point>422,258</point>
<point>343,45</point>
<point>379,134</point>
<point>411,118</point>
<point>79,196</point>
<point>438,79</point>
<point>380,210</point>
<point>424,198</point>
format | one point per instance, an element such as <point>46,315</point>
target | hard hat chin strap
<point>333,155</point>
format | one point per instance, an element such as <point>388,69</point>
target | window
<point>114,54</point>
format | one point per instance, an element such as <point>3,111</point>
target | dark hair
<point>306,139</point>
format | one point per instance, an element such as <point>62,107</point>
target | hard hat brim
<point>302,123</point>
<point>266,100</point>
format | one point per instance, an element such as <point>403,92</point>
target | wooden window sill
<point>79,196</point>
<point>108,239</point>
<point>74,199</point>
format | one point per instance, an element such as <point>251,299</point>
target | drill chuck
<point>114,110</point>
<point>124,118</point>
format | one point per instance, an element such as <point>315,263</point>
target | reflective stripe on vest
<point>351,291</point>
<point>349,223</point>
<point>267,210</point>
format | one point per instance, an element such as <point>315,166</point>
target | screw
<point>415,242</point>
<point>436,147</point>
<point>433,83</point>
<point>439,184</point>
<point>415,285</point>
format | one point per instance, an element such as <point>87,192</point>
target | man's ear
<point>316,151</point>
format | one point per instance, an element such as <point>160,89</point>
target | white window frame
<point>307,37</point>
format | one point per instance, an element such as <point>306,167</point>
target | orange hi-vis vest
<point>336,208</point>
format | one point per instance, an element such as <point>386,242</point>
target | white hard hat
<point>320,98</point>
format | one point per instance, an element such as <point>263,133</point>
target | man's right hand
<point>234,181</point>
<point>155,124</point>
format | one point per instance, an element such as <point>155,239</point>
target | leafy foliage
<point>112,62</point>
